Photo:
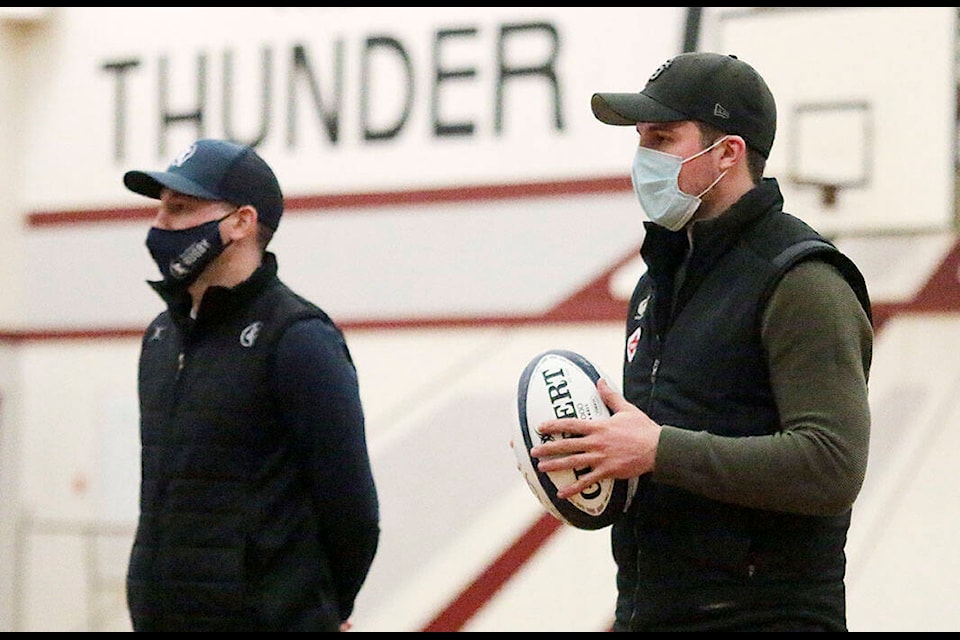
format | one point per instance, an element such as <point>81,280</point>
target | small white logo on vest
<point>157,333</point>
<point>641,308</point>
<point>249,334</point>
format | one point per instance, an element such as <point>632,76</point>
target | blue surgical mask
<point>655,182</point>
<point>183,254</point>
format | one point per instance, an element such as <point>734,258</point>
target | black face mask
<point>182,255</point>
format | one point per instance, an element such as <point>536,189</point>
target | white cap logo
<point>184,156</point>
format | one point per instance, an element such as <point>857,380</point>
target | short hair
<point>264,235</point>
<point>756,163</point>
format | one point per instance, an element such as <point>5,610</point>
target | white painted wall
<point>68,456</point>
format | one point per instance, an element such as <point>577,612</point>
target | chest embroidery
<point>249,334</point>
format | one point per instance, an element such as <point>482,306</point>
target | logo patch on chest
<point>249,334</point>
<point>632,343</point>
<point>157,334</point>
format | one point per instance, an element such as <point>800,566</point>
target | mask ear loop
<point>700,153</point>
<point>228,242</point>
<point>714,183</point>
<point>228,215</point>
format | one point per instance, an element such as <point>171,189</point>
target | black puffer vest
<point>686,562</point>
<point>218,498</point>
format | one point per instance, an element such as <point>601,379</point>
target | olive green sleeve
<point>819,345</point>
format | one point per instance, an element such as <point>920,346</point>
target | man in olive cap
<point>747,353</point>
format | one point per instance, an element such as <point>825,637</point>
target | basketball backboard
<point>866,101</point>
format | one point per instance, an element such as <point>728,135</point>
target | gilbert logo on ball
<point>563,384</point>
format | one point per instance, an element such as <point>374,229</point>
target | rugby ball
<point>563,384</point>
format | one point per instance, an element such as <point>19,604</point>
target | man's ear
<point>244,223</point>
<point>734,148</point>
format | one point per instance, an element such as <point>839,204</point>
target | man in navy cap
<point>258,508</point>
<point>747,352</point>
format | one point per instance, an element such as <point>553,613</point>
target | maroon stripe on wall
<point>942,291</point>
<point>473,193</point>
<point>455,615</point>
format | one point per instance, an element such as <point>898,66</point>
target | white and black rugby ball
<point>563,384</point>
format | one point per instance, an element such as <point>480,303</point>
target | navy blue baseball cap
<point>720,90</point>
<point>217,170</point>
